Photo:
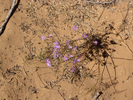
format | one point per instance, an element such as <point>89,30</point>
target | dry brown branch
<point>100,2</point>
<point>7,18</point>
<point>97,95</point>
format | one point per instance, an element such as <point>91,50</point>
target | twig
<point>122,58</point>
<point>110,78</point>
<point>101,14</point>
<point>61,95</point>
<point>100,2</point>
<point>7,18</point>
<point>40,79</point>
<point>97,95</point>
<point>7,82</point>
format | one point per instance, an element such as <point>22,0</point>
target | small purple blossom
<point>78,39</point>
<point>84,35</point>
<point>73,69</point>
<point>95,42</point>
<point>65,58</point>
<point>80,55</point>
<point>43,37</point>
<point>55,56</point>
<point>75,48</point>
<point>48,62</point>
<point>55,50</point>
<point>67,42</point>
<point>69,55</point>
<point>50,35</point>
<point>56,45</point>
<point>70,47</point>
<point>75,28</point>
<point>56,63</point>
<point>76,60</point>
<point>59,55</point>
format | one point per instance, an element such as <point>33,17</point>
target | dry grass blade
<point>100,2</point>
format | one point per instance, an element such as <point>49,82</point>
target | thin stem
<point>100,2</point>
<point>110,78</point>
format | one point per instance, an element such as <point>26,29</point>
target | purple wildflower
<point>73,69</point>
<point>95,42</point>
<point>55,51</point>
<point>65,58</point>
<point>70,47</point>
<point>75,28</point>
<point>68,42</point>
<point>48,62</point>
<point>80,55</point>
<point>69,55</point>
<point>75,48</point>
<point>78,39</point>
<point>59,55</point>
<point>42,38</point>
<point>56,63</point>
<point>50,35</point>
<point>76,60</point>
<point>55,56</point>
<point>56,45</point>
<point>84,35</point>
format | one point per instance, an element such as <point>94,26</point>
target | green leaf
<point>72,80</point>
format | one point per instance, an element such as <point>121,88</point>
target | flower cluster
<point>65,57</point>
<point>56,47</point>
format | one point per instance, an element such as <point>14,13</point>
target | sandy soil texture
<point>24,78</point>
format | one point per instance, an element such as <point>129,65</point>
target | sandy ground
<point>24,81</point>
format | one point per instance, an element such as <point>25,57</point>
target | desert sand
<point>22,79</point>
